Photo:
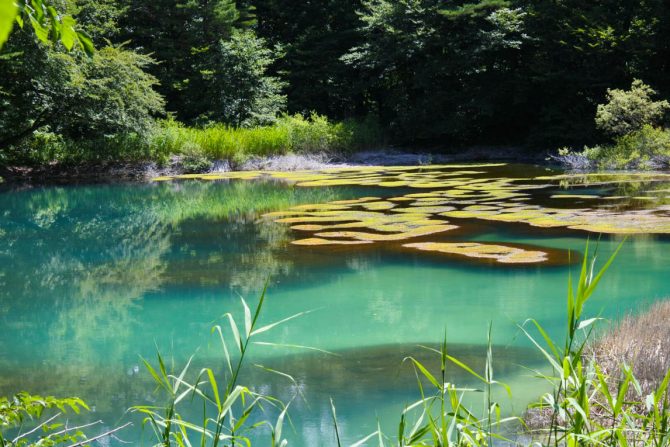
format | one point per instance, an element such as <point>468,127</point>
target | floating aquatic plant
<point>464,192</point>
<point>500,253</point>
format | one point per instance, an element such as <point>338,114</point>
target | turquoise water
<point>93,277</point>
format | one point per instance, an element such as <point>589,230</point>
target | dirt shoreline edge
<point>143,170</point>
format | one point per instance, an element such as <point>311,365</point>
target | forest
<point>146,79</point>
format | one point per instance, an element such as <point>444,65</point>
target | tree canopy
<point>429,72</point>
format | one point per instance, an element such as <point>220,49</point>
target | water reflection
<point>74,261</point>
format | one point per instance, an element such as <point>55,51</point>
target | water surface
<point>93,277</point>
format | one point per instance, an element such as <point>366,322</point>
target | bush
<point>647,148</point>
<point>628,111</point>
<point>630,117</point>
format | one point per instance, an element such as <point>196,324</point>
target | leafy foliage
<point>47,23</point>
<point>73,95</point>
<point>628,111</point>
<point>647,148</point>
<point>244,95</point>
<point>24,408</point>
<point>440,74</point>
<point>227,405</point>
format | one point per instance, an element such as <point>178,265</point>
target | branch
<point>39,122</point>
<point>36,428</point>
<point>86,441</point>
<point>79,427</point>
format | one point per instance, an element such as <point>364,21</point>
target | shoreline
<point>144,170</point>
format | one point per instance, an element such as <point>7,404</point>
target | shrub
<point>647,148</point>
<point>628,111</point>
<point>193,160</point>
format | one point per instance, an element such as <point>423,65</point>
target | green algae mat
<point>383,260</point>
<point>630,203</point>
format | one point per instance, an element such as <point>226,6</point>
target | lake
<point>381,261</point>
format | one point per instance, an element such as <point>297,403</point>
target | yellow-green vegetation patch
<point>355,201</point>
<point>438,200</point>
<point>309,227</point>
<point>466,191</point>
<point>500,253</point>
<point>404,227</point>
<point>638,222</point>
<point>314,241</point>
<point>481,208</point>
<point>378,206</point>
<point>432,202</point>
<point>393,183</point>
<point>321,207</point>
<point>424,209</point>
<point>461,214</point>
<point>607,177</point>
<point>374,237</point>
<point>462,166</point>
<point>420,195</point>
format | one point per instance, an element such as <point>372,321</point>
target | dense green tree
<point>433,72</point>
<point>74,95</point>
<point>578,51</point>
<point>441,73</point>
<point>99,19</point>
<point>315,35</point>
<point>184,37</point>
<point>242,92</point>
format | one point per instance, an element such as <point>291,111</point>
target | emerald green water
<point>94,276</point>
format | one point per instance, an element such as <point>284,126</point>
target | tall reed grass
<point>290,134</point>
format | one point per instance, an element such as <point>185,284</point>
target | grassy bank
<point>644,149</point>
<point>197,148</point>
